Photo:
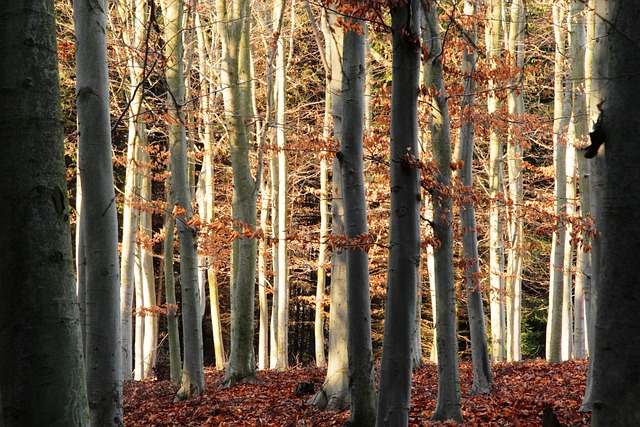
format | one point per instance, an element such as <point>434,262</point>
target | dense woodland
<point>373,189</point>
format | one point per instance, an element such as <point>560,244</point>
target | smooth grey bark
<point>515,258</point>
<point>334,394</point>
<point>100,223</point>
<point>134,14</point>
<point>617,343</point>
<point>192,383</point>
<point>580,123</point>
<point>42,374</point>
<point>234,29</point>
<point>481,361</point>
<point>173,330</point>
<point>449,405</point>
<point>562,114</point>
<point>496,199</point>
<point>350,158</point>
<point>404,225</point>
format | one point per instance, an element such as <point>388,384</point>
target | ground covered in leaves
<point>520,392</point>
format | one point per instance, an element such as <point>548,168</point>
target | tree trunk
<point>449,405</point>
<point>233,26</point>
<point>580,122</point>
<point>192,383</point>
<point>562,113</point>
<point>482,379</point>
<point>334,394</point>
<point>100,223</point>
<point>350,157</point>
<point>175,358</point>
<point>496,246</point>
<point>404,224</point>
<point>615,367</point>
<point>42,374</point>
<point>515,102</point>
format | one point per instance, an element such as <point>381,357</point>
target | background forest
<point>304,183</point>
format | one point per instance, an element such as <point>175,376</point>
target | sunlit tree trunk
<point>562,113</point>
<point>134,14</point>
<point>496,246</point>
<point>210,262</point>
<point>233,26</point>
<point>350,157</point>
<point>41,363</point>
<point>334,394</point>
<point>404,224</point>
<point>282,276</point>
<point>482,379</point>
<point>615,365</point>
<point>175,358</point>
<point>192,383</point>
<point>100,223</point>
<point>515,101</point>
<point>580,124</point>
<point>148,284</point>
<point>567,269</point>
<point>448,405</point>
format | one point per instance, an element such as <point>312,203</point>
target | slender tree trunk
<point>234,24</point>
<point>175,358</point>
<point>449,405</point>
<point>562,113</point>
<point>137,18</point>
<point>580,124</point>
<point>282,277</point>
<point>100,223</point>
<point>42,374</point>
<point>482,379</point>
<point>334,394</point>
<point>496,246</point>
<point>515,101</point>
<point>404,224</point>
<point>192,383</point>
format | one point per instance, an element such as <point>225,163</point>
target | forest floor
<point>520,392</point>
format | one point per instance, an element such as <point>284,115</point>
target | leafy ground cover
<point>521,391</point>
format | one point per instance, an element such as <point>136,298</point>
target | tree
<point>192,366</point>
<point>233,27</point>
<point>449,405</point>
<point>42,375</point>
<point>615,368</point>
<point>515,102</point>
<point>404,224</point>
<point>335,390</point>
<point>99,220</point>
<point>350,158</point>
<point>562,114</point>
<point>496,245</point>
<point>482,380</point>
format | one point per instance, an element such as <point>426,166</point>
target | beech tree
<point>335,390</point>
<point>615,368</point>
<point>192,383</point>
<point>350,158</point>
<point>234,26</point>
<point>482,380</point>
<point>42,375</point>
<point>99,220</point>
<point>404,224</point>
<point>449,405</point>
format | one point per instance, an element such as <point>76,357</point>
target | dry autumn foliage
<point>520,393</point>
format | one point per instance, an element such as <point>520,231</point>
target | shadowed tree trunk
<point>449,405</point>
<point>404,226</point>
<point>42,374</point>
